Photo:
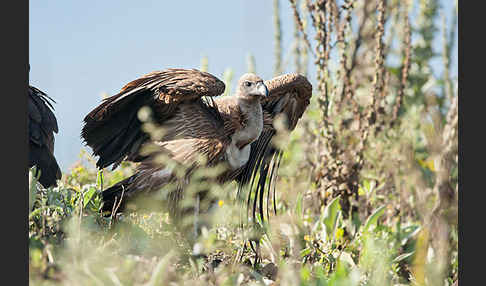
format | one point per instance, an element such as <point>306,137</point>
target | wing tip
<point>288,81</point>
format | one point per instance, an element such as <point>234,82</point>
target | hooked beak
<point>262,88</point>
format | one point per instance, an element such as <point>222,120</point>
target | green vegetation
<point>367,189</point>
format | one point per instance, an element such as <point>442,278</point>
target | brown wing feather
<point>113,129</point>
<point>188,136</point>
<point>175,85</point>
<point>289,94</point>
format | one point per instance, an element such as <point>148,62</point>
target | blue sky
<point>79,50</point>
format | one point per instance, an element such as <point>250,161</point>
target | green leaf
<point>346,257</point>
<point>298,207</point>
<point>160,273</point>
<point>36,257</point>
<point>39,210</point>
<point>88,196</point>
<point>100,179</point>
<point>373,218</point>
<point>330,216</point>
<point>366,185</point>
<point>305,273</point>
<point>33,186</point>
<point>305,251</point>
<point>355,222</point>
<point>402,257</point>
<point>408,232</point>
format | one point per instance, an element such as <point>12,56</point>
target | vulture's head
<point>250,86</point>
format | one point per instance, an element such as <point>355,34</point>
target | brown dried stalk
<point>377,85</point>
<point>300,24</point>
<point>345,72</point>
<point>446,52</point>
<point>360,35</point>
<point>323,35</point>
<point>304,47</point>
<point>445,162</point>
<point>444,215</point>
<point>296,49</point>
<point>278,38</point>
<point>407,47</point>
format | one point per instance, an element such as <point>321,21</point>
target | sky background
<point>79,50</point>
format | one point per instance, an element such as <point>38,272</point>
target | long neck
<point>248,102</point>
<point>252,110</point>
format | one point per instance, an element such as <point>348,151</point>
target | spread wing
<point>113,129</point>
<point>289,95</point>
<point>42,126</point>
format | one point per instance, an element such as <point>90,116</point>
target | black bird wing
<point>42,126</point>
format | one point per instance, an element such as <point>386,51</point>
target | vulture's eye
<point>247,83</point>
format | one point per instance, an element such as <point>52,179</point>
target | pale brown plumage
<point>182,103</point>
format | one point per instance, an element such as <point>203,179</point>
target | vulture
<point>234,130</point>
<point>42,126</point>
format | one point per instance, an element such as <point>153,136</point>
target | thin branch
<point>278,38</point>
<point>404,70</point>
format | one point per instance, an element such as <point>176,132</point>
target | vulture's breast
<point>252,115</point>
<point>237,157</point>
<point>238,152</point>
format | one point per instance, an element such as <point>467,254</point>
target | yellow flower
<point>428,164</point>
<point>220,203</point>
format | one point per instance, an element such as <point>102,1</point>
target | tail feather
<point>146,180</point>
<point>114,198</point>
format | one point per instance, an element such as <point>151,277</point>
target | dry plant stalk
<point>446,54</point>
<point>445,207</point>
<point>444,214</point>
<point>278,38</point>
<point>296,49</point>
<point>378,82</point>
<point>299,24</point>
<point>404,70</point>
<point>345,72</point>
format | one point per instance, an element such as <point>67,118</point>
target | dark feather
<point>42,125</point>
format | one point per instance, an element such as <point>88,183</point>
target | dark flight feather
<point>42,126</point>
